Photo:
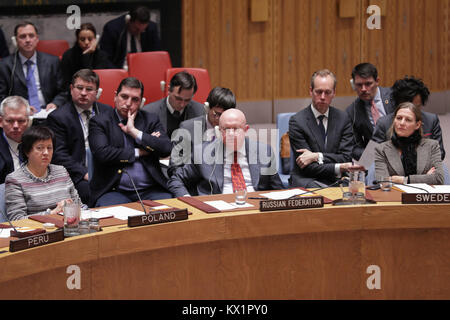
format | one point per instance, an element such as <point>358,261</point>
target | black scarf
<point>408,147</point>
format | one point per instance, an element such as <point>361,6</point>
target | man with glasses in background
<point>373,102</point>
<point>178,106</point>
<point>320,136</point>
<point>70,125</point>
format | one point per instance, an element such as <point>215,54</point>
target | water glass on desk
<point>240,196</point>
<point>72,213</point>
<point>386,184</point>
<point>357,186</point>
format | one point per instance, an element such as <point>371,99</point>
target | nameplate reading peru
<point>288,204</point>
<point>424,198</point>
<point>36,241</point>
<point>157,217</point>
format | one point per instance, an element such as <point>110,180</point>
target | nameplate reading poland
<point>288,204</point>
<point>424,198</point>
<point>158,217</point>
<point>36,241</point>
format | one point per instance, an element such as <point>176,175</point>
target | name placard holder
<point>158,217</point>
<point>289,204</point>
<point>36,240</point>
<point>425,198</point>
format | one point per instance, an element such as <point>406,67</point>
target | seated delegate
<point>408,157</point>
<point>38,187</point>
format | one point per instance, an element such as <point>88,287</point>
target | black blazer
<point>361,125</point>
<point>50,77</point>
<point>304,133</point>
<point>114,40</point>
<point>430,126</point>
<point>6,161</point>
<point>106,141</point>
<point>70,149</point>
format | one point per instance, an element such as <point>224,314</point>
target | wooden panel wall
<point>275,59</point>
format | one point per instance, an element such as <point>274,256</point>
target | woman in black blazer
<point>84,54</point>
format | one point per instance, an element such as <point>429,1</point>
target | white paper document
<point>279,195</point>
<point>220,205</point>
<point>409,188</point>
<point>441,189</point>
<point>6,232</point>
<point>120,212</point>
<point>43,114</point>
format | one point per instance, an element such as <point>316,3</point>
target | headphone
<point>206,106</point>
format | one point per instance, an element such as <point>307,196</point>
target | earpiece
<point>127,18</point>
<point>99,93</point>
<point>206,106</point>
<point>142,103</point>
<point>14,41</point>
<point>352,85</point>
<point>217,132</point>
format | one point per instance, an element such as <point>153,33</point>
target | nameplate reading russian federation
<point>158,217</point>
<point>425,198</point>
<point>36,241</point>
<point>288,204</point>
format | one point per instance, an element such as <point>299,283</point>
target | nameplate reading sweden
<point>288,204</point>
<point>425,198</point>
<point>36,241</point>
<point>157,217</point>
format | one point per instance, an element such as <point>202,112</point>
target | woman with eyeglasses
<point>408,157</point>
<point>38,187</point>
<point>85,54</point>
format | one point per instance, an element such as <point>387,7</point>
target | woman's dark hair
<point>34,134</point>
<point>85,26</point>
<point>404,90</point>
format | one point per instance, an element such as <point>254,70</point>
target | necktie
<point>88,115</point>
<point>176,114</point>
<point>322,128</point>
<point>237,178</point>
<point>33,98</point>
<point>133,45</point>
<point>375,112</point>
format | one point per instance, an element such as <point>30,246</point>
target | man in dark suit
<point>34,75</point>
<point>129,33</point>
<point>227,164</point>
<point>126,144</point>
<point>178,106</point>
<point>320,136</point>
<point>14,120</point>
<point>70,123</point>
<point>410,89</point>
<point>373,102</point>
<point>4,51</point>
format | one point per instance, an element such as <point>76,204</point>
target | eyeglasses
<point>216,114</point>
<point>88,89</point>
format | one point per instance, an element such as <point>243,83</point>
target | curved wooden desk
<point>310,254</point>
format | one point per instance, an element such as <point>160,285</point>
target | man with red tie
<point>226,164</point>
<point>373,102</point>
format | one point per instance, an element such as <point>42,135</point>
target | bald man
<point>228,163</point>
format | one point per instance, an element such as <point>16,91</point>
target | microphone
<point>407,185</point>
<point>134,186</point>
<point>9,221</point>
<point>340,181</point>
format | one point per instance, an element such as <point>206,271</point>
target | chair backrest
<point>283,127</point>
<point>202,78</point>
<point>2,203</point>
<point>54,47</point>
<point>109,81</point>
<point>150,68</point>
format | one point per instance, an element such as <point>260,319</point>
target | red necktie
<point>375,112</point>
<point>237,178</point>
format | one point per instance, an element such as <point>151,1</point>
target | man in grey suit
<point>178,106</point>
<point>320,136</point>
<point>373,102</point>
<point>410,89</point>
<point>34,75</point>
<point>227,164</point>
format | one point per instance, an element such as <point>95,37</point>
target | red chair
<point>54,47</point>
<point>202,78</point>
<point>109,81</point>
<point>150,68</point>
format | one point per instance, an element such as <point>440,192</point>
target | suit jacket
<point>114,40</point>
<point>197,179</point>
<point>430,126</point>
<point>106,141</point>
<point>6,161</point>
<point>192,110</point>
<point>361,125</point>
<point>4,51</point>
<point>304,133</point>
<point>388,162</point>
<point>70,150</point>
<point>50,77</point>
